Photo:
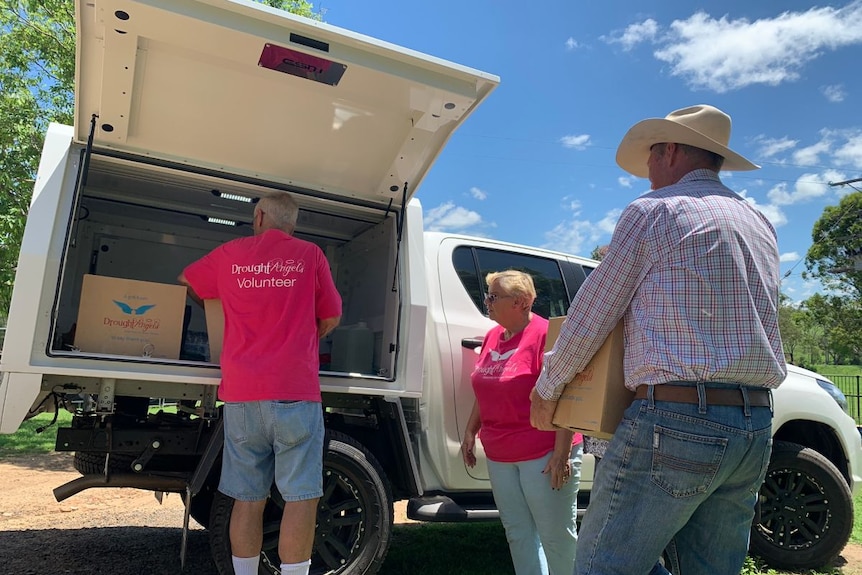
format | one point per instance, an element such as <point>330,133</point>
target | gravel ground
<point>98,531</point>
<point>117,531</point>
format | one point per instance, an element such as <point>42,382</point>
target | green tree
<point>37,74</point>
<point>299,7</point>
<point>813,336</point>
<point>599,252</point>
<point>841,320</point>
<point>791,332</point>
<point>837,246</point>
<point>37,71</point>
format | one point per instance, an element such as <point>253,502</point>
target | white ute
<point>186,112</point>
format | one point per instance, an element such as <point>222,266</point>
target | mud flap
<point>210,455</point>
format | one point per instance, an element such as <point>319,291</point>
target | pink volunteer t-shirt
<point>273,288</point>
<point>505,373</point>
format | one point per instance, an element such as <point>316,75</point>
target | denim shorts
<point>266,440</point>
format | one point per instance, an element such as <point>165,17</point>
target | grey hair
<point>711,159</point>
<point>281,208</point>
<point>514,282</point>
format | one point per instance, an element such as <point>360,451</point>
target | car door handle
<point>471,342</point>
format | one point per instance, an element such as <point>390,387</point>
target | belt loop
<point>746,402</point>
<point>701,398</point>
<point>650,394</point>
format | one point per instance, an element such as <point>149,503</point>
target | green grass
<point>856,535</point>
<point>827,369</point>
<point>481,549</point>
<point>27,442</point>
<point>443,548</point>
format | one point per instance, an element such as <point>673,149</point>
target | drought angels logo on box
<point>130,317</point>
<point>134,323</point>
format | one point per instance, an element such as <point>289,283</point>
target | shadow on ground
<point>103,551</point>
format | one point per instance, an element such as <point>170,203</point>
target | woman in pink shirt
<point>534,474</point>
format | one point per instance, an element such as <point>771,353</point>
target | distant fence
<point>851,386</point>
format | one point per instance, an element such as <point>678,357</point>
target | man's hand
<point>542,412</point>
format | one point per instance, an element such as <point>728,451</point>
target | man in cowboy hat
<point>692,270</point>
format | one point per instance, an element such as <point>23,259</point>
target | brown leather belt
<point>688,394</point>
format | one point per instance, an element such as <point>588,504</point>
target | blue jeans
<point>681,476</point>
<point>272,440</point>
<point>540,522</point>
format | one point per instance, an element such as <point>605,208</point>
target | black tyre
<point>89,463</point>
<point>354,519</point>
<point>806,510</point>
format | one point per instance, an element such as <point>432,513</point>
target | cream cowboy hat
<point>700,126</point>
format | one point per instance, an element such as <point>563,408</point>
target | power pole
<point>845,182</point>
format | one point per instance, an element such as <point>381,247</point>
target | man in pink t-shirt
<point>279,299</point>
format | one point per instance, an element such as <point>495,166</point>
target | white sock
<point>295,568</point>
<point>245,565</point>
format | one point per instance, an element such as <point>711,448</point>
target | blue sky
<point>535,163</point>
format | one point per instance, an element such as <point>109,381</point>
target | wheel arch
<point>818,436</point>
<point>380,424</point>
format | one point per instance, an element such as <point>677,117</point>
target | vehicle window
<point>465,267</point>
<point>473,264</point>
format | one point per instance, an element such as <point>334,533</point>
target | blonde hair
<point>281,208</point>
<point>514,283</point>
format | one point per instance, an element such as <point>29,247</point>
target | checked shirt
<point>693,270</point>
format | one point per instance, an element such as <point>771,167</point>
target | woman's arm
<point>468,445</point>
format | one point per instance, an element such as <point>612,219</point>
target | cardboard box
<point>595,400</point>
<point>215,327</point>
<point>129,317</point>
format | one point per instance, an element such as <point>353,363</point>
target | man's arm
<point>326,325</point>
<point>182,279</point>
<point>597,307</point>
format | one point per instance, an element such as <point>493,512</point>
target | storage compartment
<point>143,222</point>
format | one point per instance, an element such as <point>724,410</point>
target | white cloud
<point>448,217</point>
<point>579,236</point>
<point>625,181</point>
<point>772,212</point>
<point>571,44</point>
<point>771,147</point>
<point>609,223</point>
<point>726,54</point>
<point>573,206</point>
<point>841,148</point>
<point>788,257</point>
<point>851,151</point>
<point>810,155</point>
<point>807,187</point>
<point>834,93</point>
<point>579,142</point>
<point>478,194</point>
<point>634,34</point>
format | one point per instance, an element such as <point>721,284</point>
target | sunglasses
<point>492,297</point>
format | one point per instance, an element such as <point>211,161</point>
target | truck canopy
<point>241,88</point>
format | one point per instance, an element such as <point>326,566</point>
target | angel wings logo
<point>497,356</point>
<point>129,310</point>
